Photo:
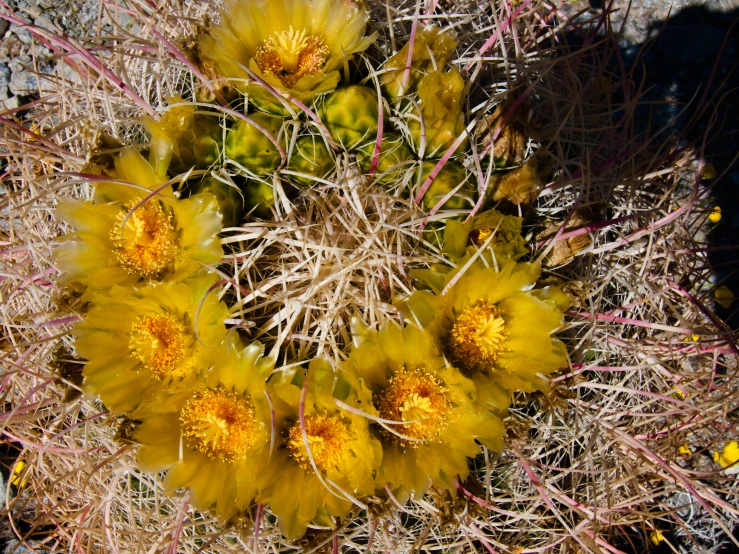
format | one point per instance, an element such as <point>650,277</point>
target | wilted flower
<point>493,326</point>
<point>296,46</point>
<point>509,146</point>
<point>137,341</point>
<point>213,434</point>
<point>328,460</point>
<point>428,408</point>
<point>431,50</point>
<point>521,185</point>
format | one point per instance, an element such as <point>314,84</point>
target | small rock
<point>10,103</point>
<point>4,81</point>
<point>10,48</point>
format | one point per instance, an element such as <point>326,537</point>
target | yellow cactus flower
<point>684,449</point>
<point>441,109</point>
<point>326,464</point>
<point>212,435</point>
<point>431,420</point>
<point>296,46</point>
<point>464,238</point>
<point>724,296</point>
<point>730,455</point>
<point>432,48</point>
<point>492,326</point>
<point>164,239</point>
<point>715,215</point>
<point>136,341</point>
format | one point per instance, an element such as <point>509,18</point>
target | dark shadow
<point>687,76</point>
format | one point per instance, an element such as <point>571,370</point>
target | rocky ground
<point>20,61</point>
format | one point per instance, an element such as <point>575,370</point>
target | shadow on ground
<point>687,73</point>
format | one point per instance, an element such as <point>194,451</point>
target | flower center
<point>220,424</point>
<point>163,346</point>
<point>147,244</point>
<point>479,236</point>
<point>328,437</point>
<point>477,337</point>
<point>291,55</point>
<point>418,399</point>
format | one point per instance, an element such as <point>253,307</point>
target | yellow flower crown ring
<point>220,424</point>
<point>328,438</point>
<point>420,400</point>
<point>477,337</point>
<point>291,55</point>
<point>147,243</point>
<point>163,345</point>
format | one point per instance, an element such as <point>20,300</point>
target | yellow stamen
<point>477,337</point>
<point>163,345</point>
<point>417,398</point>
<point>220,424</point>
<point>147,245</point>
<point>328,437</point>
<point>291,55</point>
<point>479,236</point>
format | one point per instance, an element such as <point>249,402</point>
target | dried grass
<point>594,466</point>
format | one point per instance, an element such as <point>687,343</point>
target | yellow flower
<point>135,341</point>
<point>431,49</point>
<point>321,479</point>
<point>715,215</point>
<point>492,326</point>
<point>164,239</point>
<point>462,239</point>
<point>729,456</point>
<point>431,421</point>
<point>213,434</point>
<point>296,46</point>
